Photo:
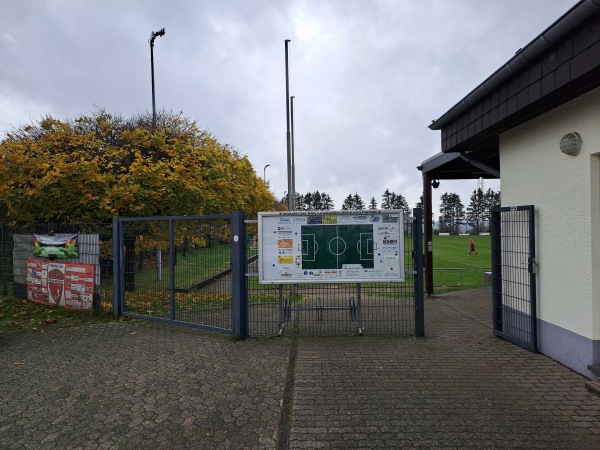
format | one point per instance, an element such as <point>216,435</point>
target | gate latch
<point>532,266</point>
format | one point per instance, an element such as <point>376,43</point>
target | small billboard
<point>331,246</point>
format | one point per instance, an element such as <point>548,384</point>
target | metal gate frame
<point>514,293</point>
<point>239,265</point>
<point>239,320</point>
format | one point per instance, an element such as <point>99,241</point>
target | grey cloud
<point>368,75</point>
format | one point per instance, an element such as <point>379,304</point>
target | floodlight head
<point>435,184</point>
<point>156,34</point>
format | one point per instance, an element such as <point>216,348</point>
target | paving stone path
<point>145,386</point>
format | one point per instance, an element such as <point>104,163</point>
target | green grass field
<point>453,268</point>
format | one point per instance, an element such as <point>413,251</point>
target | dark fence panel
<point>177,269</point>
<point>513,275</point>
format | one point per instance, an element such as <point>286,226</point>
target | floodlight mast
<point>153,36</point>
<point>291,193</point>
<point>292,148</point>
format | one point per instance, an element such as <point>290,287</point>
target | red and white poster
<point>70,285</point>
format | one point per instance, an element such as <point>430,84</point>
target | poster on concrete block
<point>66,284</point>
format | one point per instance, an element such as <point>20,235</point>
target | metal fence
<point>459,278</point>
<point>180,270</point>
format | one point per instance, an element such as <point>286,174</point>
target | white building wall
<point>565,191</point>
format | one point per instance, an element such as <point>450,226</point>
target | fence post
<point>172,264</point>
<point>239,286</point>
<point>3,265</point>
<point>419,263</point>
<point>117,268</point>
<point>532,277</point>
<point>497,318</point>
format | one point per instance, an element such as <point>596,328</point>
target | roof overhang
<point>560,64</point>
<point>558,36</point>
<point>460,166</point>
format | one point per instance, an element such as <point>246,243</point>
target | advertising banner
<point>70,285</point>
<point>57,246</point>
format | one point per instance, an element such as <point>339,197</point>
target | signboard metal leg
<point>359,328</point>
<point>283,311</point>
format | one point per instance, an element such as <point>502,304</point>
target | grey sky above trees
<point>368,76</point>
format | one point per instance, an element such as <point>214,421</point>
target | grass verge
<point>23,315</point>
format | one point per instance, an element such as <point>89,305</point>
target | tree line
<point>476,216</point>
<point>98,165</point>
<point>452,214</point>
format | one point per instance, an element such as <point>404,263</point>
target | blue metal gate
<point>187,270</point>
<point>513,275</point>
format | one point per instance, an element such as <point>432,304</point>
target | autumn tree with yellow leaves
<point>100,165</point>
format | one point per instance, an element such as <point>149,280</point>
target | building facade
<point>535,124</point>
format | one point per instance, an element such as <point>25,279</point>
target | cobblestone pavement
<point>139,386</point>
<point>145,386</point>
<point>458,387</point>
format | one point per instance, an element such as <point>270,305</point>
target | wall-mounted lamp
<point>570,143</point>
<point>435,184</point>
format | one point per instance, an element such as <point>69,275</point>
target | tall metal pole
<point>291,195</point>
<point>293,148</point>
<point>265,172</point>
<point>153,36</point>
<point>152,73</point>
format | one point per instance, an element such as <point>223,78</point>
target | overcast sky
<point>368,76</point>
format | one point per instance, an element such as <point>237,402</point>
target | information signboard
<point>70,285</point>
<point>331,246</point>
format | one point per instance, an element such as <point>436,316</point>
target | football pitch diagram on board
<point>331,246</point>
